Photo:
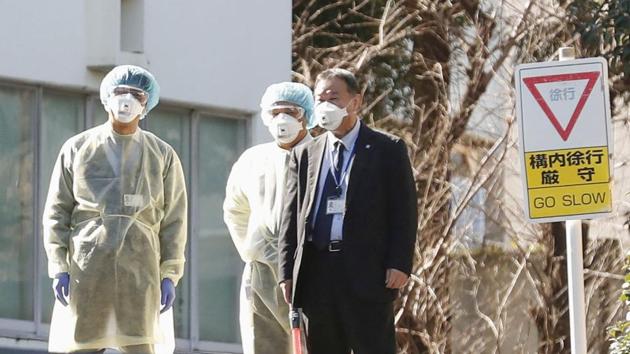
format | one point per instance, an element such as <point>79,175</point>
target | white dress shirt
<point>348,141</point>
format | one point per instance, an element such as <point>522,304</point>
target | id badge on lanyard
<point>335,205</point>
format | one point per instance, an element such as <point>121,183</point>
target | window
<point>214,267</point>
<point>219,266</point>
<point>17,110</point>
<point>173,126</point>
<point>62,116</point>
<point>132,26</point>
<point>470,226</point>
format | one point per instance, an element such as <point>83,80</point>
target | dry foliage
<point>434,72</point>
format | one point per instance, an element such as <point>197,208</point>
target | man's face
<point>335,91</point>
<point>126,104</point>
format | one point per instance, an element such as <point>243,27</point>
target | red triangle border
<point>531,83</point>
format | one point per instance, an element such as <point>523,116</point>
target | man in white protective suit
<point>115,228</point>
<point>252,209</point>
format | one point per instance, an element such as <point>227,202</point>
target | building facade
<point>212,59</point>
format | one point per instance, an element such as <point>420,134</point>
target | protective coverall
<point>115,219</point>
<point>252,208</point>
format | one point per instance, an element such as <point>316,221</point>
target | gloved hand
<point>61,287</point>
<point>168,294</point>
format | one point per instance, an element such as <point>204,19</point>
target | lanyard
<point>344,169</point>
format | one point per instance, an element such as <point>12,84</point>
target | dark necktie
<point>323,221</point>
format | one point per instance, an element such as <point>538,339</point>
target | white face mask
<point>284,128</point>
<point>329,116</point>
<point>125,108</point>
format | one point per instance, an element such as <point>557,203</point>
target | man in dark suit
<point>348,227</point>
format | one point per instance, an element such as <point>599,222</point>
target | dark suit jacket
<point>380,223</point>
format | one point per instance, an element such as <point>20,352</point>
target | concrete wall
<point>217,54</point>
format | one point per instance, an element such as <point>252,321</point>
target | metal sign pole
<point>575,266</point>
<point>575,276</point>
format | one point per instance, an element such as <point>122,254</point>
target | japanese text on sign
<point>568,181</point>
<point>567,167</point>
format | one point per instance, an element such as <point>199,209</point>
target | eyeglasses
<point>293,111</point>
<point>138,94</point>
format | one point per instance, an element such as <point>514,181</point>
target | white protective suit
<point>115,219</point>
<point>252,208</point>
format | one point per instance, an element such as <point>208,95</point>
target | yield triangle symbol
<point>531,83</point>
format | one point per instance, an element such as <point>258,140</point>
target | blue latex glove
<point>168,294</point>
<point>61,287</point>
